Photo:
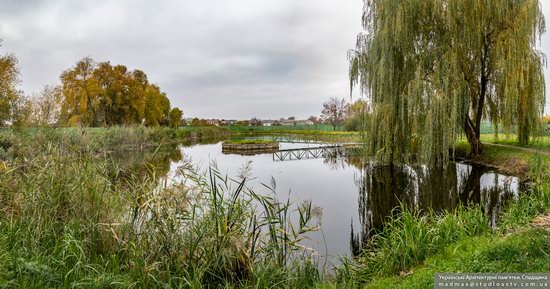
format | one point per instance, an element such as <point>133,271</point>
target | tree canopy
<point>175,117</point>
<point>100,94</point>
<point>433,69</point>
<point>39,110</point>
<point>9,80</point>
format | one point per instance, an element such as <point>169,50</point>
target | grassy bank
<point>282,129</point>
<point>512,160</point>
<point>523,251</point>
<point>408,238</point>
<point>513,246</point>
<point>541,142</point>
<point>303,134</point>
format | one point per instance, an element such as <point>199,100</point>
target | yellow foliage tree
<point>99,94</point>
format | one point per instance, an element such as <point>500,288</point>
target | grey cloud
<point>214,58</point>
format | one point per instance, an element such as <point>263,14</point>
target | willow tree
<point>80,89</point>
<point>433,69</point>
<point>100,94</point>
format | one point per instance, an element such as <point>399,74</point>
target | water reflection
<point>343,186</point>
<point>383,187</point>
<point>151,161</point>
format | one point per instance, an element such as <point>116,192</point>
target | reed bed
<point>67,219</point>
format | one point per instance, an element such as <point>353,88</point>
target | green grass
<point>523,251</point>
<point>409,237</point>
<point>511,160</point>
<point>542,142</point>
<point>304,131</point>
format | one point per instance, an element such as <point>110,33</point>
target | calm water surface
<point>355,196</point>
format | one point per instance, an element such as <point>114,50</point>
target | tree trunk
<point>471,128</point>
<point>472,134</point>
<point>523,132</point>
<point>523,121</point>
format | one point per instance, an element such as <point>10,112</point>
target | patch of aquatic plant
<point>16,142</point>
<point>69,220</point>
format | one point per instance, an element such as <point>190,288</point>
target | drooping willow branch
<point>434,69</point>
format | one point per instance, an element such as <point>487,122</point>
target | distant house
<point>304,122</point>
<point>215,122</point>
<point>255,122</point>
<point>269,122</point>
<point>228,121</point>
<point>287,122</point>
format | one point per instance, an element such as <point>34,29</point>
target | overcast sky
<point>214,58</point>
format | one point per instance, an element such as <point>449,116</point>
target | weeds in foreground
<point>410,237</point>
<point>69,220</point>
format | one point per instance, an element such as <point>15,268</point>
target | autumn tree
<point>9,80</point>
<point>46,106</point>
<point>434,69</point>
<point>100,94</point>
<point>157,106</point>
<point>334,111</point>
<point>175,117</point>
<point>81,94</point>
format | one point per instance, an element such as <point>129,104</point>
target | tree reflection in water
<point>383,187</point>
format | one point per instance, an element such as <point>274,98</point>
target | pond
<point>353,196</point>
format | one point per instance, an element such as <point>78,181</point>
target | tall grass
<point>537,201</point>
<point>111,138</point>
<point>409,237</point>
<point>68,220</point>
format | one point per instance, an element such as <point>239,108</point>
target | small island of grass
<point>250,141</point>
<point>250,146</point>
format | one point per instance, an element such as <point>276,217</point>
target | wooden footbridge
<point>327,151</point>
<point>326,146</point>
